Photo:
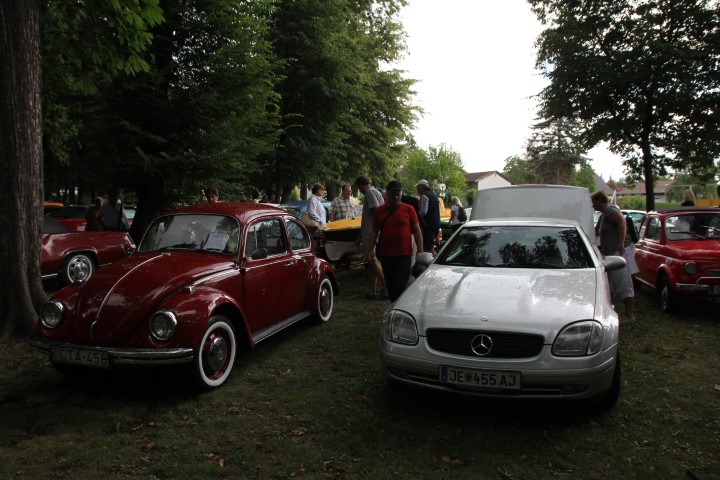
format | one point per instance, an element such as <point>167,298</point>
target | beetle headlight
<point>163,325</point>
<point>691,268</point>
<point>51,314</point>
<point>399,327</point>
<point>578,339</point>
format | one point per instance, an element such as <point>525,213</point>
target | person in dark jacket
<point>429,214</point>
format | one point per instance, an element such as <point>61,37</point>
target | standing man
<point>611,229</point>
<point>395,224</point>
<point>315,207</point>
<point>212,195</point>
<point>113,214</point>
<point>93,218</point>
<point>343,206</point>
<point>372,200</point>
<point>429,214</point>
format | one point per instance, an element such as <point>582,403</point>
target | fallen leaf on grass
<point>234,410</point>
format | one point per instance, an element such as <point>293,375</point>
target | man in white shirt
<point>372,199</point>
<point>315,208</point>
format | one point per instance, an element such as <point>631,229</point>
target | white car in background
<point>511,308</point>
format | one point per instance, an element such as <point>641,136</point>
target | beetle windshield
<point>530,246</point>
<point>213,233</point>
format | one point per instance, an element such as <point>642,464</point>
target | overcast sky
<point>475,65</point>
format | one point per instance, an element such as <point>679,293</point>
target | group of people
<point>107,216</point>
<point>393,227</point>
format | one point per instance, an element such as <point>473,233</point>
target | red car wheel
<point>77,267</point>
<point>216,353</point>
<point>325,300</point>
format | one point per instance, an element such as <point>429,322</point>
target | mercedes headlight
<point>399,327</point>
<point>163,325</point>
<point>578,339</point>
<point>51,314</point>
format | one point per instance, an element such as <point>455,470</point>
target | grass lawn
<point>312,402</point>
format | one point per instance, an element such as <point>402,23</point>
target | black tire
<point>77,267</point>
<point>610,398</point>
<point>215,354</point>
<point>667,297</point>
<point>324,300</point>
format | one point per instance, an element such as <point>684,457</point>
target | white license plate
<point>74,356</point>
<point>714,289</point>
<point>480,378</point>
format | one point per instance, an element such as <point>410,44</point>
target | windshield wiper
<point>533,265</point>
<point>190,246</point>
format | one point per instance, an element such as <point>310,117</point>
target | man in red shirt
<point>394,225</point>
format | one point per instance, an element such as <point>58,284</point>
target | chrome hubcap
<point>217,353</point>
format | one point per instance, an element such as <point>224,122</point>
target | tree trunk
<point>21,182</point>
<point>649,177</point>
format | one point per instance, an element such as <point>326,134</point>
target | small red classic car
<point>74,256</point>
<point>678,254</point>
<point>205,280</point>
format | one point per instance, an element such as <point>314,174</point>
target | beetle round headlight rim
<point>51,315</point>
<point>163,325</point>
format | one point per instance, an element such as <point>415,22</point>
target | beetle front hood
<point>117,298</point>
<point>508,299</point>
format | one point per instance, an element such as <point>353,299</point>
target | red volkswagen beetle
<point>205,280</point>
<point>678,254</point>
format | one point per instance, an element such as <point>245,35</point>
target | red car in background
<point>73,216</point>
<point>678,254</point>
<point>75,256</point>
<point>205,281</point>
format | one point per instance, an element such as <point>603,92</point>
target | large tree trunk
<point>21,181</point>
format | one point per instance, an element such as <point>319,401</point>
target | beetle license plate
<point>499,379</point>
<point>74,356</point>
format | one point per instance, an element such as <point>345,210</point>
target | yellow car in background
<point>339,237</point>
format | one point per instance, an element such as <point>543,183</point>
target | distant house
<point>661,187</point>
<point>481,180</point>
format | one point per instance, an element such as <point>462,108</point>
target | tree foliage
<point>342,111</point>
<point>640,74</point>
<point>438,165</point>
<point>554,151</point>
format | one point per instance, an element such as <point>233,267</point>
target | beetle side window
<point>299,238</point>
<point>267,234</point>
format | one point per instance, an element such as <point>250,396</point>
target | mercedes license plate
<point>75,356</point>
<point>499,379</point>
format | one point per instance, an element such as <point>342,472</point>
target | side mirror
<point>613,262</point>
<point>259,254</point>
<point>422,261</point>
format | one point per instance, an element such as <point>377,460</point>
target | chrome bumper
<point>124,356</point>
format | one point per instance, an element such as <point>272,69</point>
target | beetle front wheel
<point>215,355</point>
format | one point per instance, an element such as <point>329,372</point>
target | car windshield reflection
<point>517,247</point>
<point>212,233</point>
